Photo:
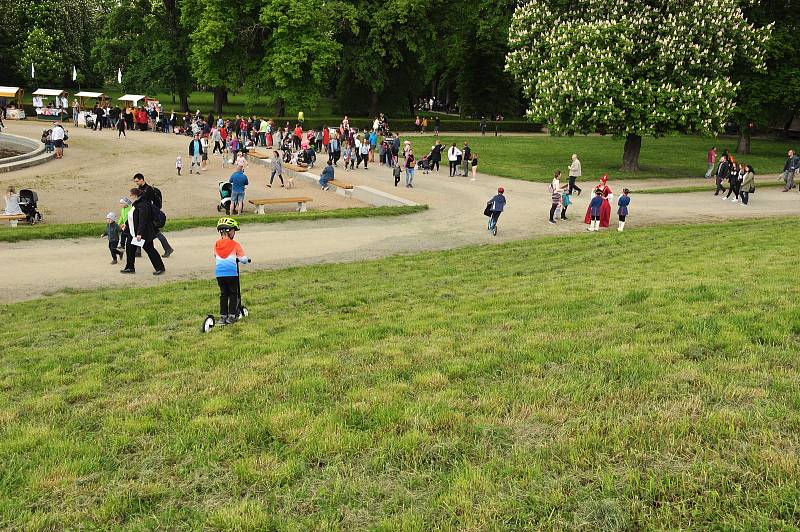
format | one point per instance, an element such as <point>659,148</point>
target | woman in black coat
<point>139,226</point>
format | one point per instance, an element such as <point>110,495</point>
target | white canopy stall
<point>14,108</point>
<point>54,110</point>
<point>83,108</point>
<point>132,98</point>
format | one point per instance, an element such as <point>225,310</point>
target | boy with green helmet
<point>228,253</point>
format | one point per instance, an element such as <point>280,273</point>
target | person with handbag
<point>748,185</point>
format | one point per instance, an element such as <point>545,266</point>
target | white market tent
<point>12,92</point>
<point>48,92</point>
<point>82,95</point>
<point>133,98</point>
<point>87,94</point>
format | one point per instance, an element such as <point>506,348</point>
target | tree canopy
<point>632,68</point>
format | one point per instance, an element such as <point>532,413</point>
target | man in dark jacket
<point>789,169</point>
<point>141,230</point>
<point>722,174</point>
<point>154,197</point>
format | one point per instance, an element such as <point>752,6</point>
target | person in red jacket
<point>326,137</point>
<point>605,208</point>
<point>297,135</point>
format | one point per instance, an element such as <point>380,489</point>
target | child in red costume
<point>605,208</point>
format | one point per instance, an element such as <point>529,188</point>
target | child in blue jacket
<point>594,210</point>
<point>622,211</point>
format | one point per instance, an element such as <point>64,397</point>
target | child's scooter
<point>209,323</point>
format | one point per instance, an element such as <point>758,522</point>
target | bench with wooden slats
<point>259,203</point>
<point>258,154</point>
<point>341,184</point>
<point>295,167</point>
<point>13,219</point>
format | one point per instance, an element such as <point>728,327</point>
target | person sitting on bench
<point>12,202</point>
<point>326,176</point>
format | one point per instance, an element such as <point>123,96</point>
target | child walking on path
<point>112,232</point>
<point>122,220</point>
<point>555,195</point>
<point>494,208</point>
<point>594,210</point>
<point>179,164</point>
<point>228,253</point>
<point>622,211</point>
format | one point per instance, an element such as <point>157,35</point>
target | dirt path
<point>33,269</point>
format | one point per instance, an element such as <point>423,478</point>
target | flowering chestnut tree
<point>631,68</point>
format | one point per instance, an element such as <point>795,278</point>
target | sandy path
<point>32,269</point>
<point>98,167</point>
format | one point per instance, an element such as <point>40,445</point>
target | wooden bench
<point>301,203</point>
<point>13,219</point>
<point>341,184</point>
<point>257,154</point>
<point>295,167</point>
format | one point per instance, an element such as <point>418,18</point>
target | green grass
<point>698,188</point>
<point>78,230</point>
<point>635,381</point>
<point>536,158</point>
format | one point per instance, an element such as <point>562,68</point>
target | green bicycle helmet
<point>225,224</point>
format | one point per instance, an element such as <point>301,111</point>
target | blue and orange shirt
<point>226,251</point>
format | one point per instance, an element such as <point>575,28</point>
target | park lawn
<point>643,380</point>
<point>535,158</point>
<point>85,229</point>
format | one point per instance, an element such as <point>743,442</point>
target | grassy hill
<point>614,381</point>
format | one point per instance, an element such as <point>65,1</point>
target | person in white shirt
<point>58,139</point>
<point>574,173</point>
<point>453,156</point>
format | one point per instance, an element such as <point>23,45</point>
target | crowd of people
<point>739,176</point>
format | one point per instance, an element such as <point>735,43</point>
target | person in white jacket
<point>574,173</point>
<point>453,156</point>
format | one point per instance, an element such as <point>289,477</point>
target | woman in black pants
<point>140,228</point>
<point>436,155</point>
<point>733,182</point>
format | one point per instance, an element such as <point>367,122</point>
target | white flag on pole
<point>119,75</point>
<point>74,73</point>
<point>33,72</point>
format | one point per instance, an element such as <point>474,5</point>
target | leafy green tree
<point>631,67</point>
<point>145,39</point>
<point>771,95</point>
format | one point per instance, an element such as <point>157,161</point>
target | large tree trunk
<point>630,159</point>
<point>788,125</point>
<point>184,97</point>
<point>743,145</point>
<point>373,104</point>
<point>219,99</point>
<point>280,107</point>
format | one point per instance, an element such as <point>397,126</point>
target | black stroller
<point>28,201</point>
<point>225,192</point>
<point>88,120</point>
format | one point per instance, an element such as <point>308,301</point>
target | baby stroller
<point>225,191</point>
<point>88,120</point>
<point>27,203</point>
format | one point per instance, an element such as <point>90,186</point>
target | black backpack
<point>158,217</point>
<point>158,199</point>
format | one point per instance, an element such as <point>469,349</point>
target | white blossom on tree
<point>631,67</point>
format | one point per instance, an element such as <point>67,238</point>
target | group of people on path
<point>137,226</point>
<point>739,176</point>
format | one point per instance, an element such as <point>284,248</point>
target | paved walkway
<point>33,269</point>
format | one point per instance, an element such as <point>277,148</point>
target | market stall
<point>133,116</point>
<point>13,98</point>
<point>50,104</point>
<point>85,107</point>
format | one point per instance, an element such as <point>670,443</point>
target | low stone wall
<point>34,155</point>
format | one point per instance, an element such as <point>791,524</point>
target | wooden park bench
<point>301,203</point>
<point>13,219</point>
<point>341,184</point>
<point>295,167</point>
<point>257,154</point>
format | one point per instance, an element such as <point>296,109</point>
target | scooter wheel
<point>494,230</point>
<point>219,209</point>
<point>243,312</point>
<point>208,324</point>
